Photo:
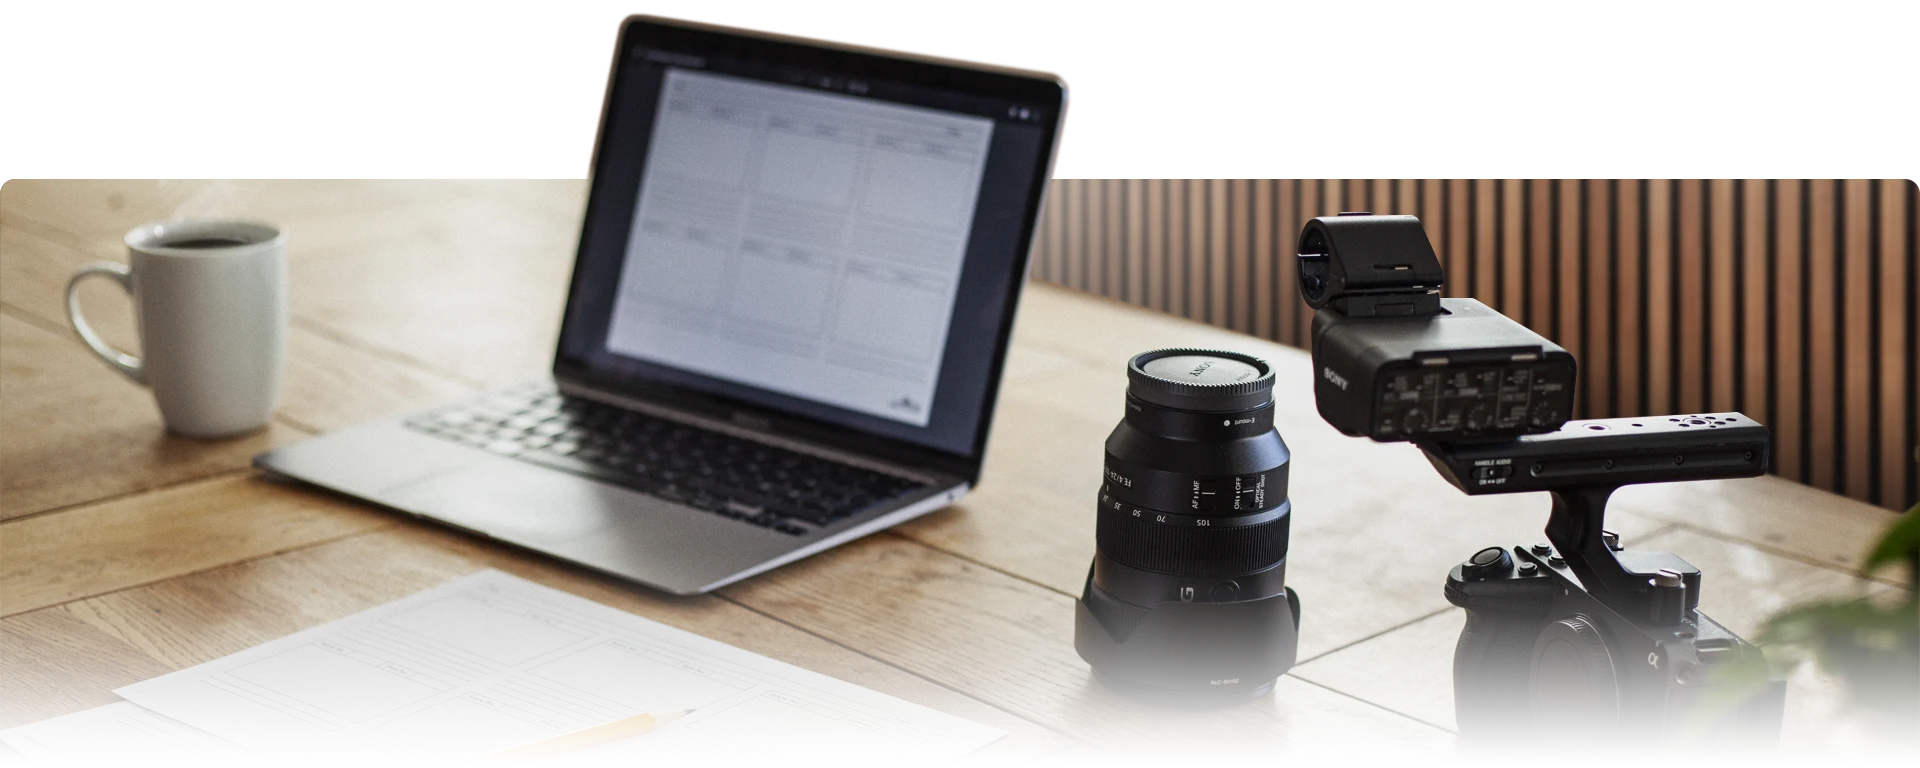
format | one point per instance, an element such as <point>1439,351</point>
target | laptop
<point>788,315</point>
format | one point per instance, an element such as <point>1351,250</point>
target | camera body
<point>1581,633</point>
<point>1543,659</point>
<point>1568,638</point>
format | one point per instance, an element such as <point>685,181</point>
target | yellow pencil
<point>606,733</point>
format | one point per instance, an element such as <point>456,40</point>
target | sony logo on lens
<point>1337,379</point>
<point>1119,478</point>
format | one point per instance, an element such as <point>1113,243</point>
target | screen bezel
<point>972,79</point>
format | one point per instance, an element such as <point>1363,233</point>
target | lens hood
<point>1160,654</point>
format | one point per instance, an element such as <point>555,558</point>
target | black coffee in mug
<point>210,303</point>
<point>202,243</point>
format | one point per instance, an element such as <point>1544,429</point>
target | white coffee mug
<point>210,300</point>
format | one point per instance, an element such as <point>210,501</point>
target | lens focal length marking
<point>1195,495</point>
<point>1125,509</point>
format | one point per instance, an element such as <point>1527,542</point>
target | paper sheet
<point>492,661</point>
<point>118,733</point>
<point>35,751</point>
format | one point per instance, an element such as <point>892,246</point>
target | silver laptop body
<point>799,264</point>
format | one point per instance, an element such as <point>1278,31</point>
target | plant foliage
<point>1872,646</point>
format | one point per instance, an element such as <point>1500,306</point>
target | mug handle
<point>121,361</point>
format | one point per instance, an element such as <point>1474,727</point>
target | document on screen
<point>491,661</point>
<point>800,241</point>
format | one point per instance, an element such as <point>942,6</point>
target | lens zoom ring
<point>1189,550</point>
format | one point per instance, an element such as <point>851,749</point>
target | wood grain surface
<point>75,431</point>
<point>1010,643</point>
<point>130,553</point>
<point>208,614</point>
<point>148,537</point>
<point>331,380</point>
<point>439,273</point>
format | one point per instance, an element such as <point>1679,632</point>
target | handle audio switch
<point>1492,473</point>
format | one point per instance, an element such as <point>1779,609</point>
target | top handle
<point>121,361</point>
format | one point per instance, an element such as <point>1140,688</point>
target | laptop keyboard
<point>752,482</point>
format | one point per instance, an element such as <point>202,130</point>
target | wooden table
<point>126,553</point>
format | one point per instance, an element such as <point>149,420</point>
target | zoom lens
<point>1186,599</point>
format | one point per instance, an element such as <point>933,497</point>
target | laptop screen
<point>799,230</point>
<point>804,242</point>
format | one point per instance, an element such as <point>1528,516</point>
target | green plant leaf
<point>1900,544</point>
<point>1730,686</point>
<point>1872,645</point>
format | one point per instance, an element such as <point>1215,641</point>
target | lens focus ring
<point>1179,546</point>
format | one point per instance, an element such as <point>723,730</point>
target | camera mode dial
<point>1487,563</point>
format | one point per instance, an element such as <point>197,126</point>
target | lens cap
<point>1200,379</point>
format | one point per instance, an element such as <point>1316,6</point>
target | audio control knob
<point>1477,418</point>
<point>1543,414</point>
<point>1415,420</point>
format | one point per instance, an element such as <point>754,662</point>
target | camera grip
<point>1491,672</point>
<point>1494,655</point>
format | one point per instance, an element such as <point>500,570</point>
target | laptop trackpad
<point>508,501</point>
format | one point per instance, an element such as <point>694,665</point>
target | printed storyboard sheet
<point>491,661</point>
<point>120,733</point>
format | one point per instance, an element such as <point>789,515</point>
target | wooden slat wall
<point>1794,301</point>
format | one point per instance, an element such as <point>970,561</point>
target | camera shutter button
<point>1486,564</point>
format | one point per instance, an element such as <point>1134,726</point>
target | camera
<point>1566,638</point>
<point>1186,600</point>
<point>1578,632</point>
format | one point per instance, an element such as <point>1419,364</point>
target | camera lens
<point>1186,598</point>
